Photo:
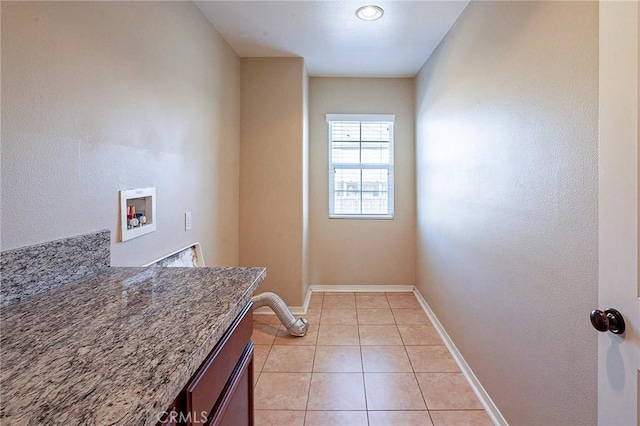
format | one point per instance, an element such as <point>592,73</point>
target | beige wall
<point>353,251</point>
<point>271,172</point>
<point>103,96</point>
<point>305,183</point>
<point>507,184</point>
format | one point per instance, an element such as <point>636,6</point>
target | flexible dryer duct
<point>295,327</point>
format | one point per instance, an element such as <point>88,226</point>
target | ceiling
<point>330,37</point>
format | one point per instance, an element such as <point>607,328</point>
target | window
<point>361,165</point>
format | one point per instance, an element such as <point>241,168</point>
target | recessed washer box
<point>142,200</point>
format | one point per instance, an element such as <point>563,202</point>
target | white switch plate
<point>187,221</point>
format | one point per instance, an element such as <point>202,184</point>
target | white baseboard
<point>302,310</point>
<point>307,299</point>
<point>486,401</point>
<point>361,288</point>
<point>295,310</point>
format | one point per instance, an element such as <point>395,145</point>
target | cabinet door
<point>235,407</point>
<point>208,385</point>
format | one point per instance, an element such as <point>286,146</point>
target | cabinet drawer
<point>207,385</point>
<point>235,407</point>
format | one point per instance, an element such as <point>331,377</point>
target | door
<point>618,355</point>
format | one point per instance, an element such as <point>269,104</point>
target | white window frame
<point>390,118</point>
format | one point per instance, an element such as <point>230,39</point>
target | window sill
<point>361,216</point>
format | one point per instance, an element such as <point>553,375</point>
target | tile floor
<point>367,359</point>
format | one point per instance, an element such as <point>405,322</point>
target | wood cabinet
<point>220,393</point>
<point>231,409</point>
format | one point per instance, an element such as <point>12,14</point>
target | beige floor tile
<point>338,335</point>
<point>316,300</point>
<point>447,391</point>
<point>290,359</point>
<point>336,391</point>
<point>260,353</point>
<point>403,300</point>
<point>278,418</point>
<point>282,391</point>
<point>393,391</point>
<point>339,300</point>
<point>336,418</point>
<point>410,316</point>
<point>431,359</point>
<point>419,334</point>
<point>378,335</point>
<point>371,301</point>
<point>337,359</point>
<point>313,316</point>
<point>286,339</point>
<point>264,334</point>
<point>375,316</point>
<point>337,316</point>
<point>399,418</point>
<point>266,319</point>
<point>385,359</point>
<point>455,418</point>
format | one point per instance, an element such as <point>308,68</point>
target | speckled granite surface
<point>29,271</point>
<point>115,347</point>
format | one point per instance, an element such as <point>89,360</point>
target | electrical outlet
<point>187,221</point>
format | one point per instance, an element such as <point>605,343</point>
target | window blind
<point>361,165</point>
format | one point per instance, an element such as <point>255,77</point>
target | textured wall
<point>272,155</point>
<point>507,192</point>
<point>355,251</point>
<point>103,96</point>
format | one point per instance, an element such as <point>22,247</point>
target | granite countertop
<point>115,347</point>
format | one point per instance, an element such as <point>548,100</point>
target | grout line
<point>364,383</point>
<point>459,409</point>
<point>428,411</point>
<point>426,406</point>
<point>360,346</point>
<point>487,403</point>
<point>315,349</point>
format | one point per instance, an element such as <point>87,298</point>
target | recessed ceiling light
<point>369,12</point>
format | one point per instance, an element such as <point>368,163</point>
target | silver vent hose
<point>295,327</point>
